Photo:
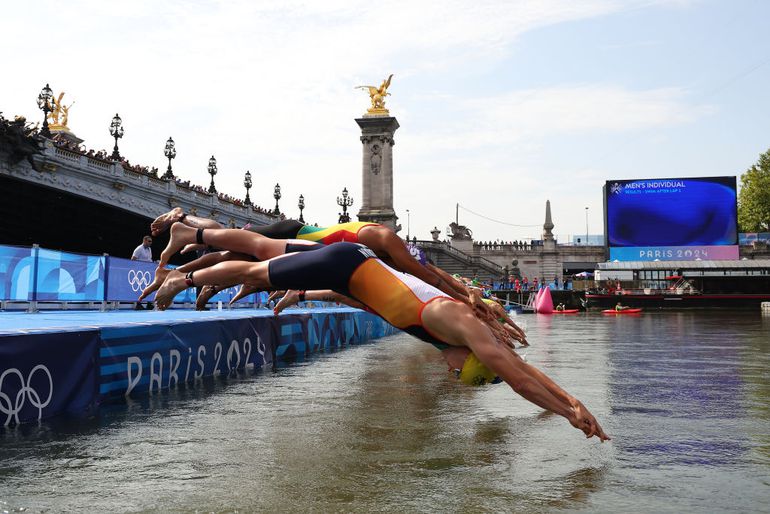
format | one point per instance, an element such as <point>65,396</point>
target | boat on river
<point>681,284</point>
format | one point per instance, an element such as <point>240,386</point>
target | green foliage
<point>754,197</point>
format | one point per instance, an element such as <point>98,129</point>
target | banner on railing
<point>42,375</point>
<point>127,279</point>
<point>69,277</point>
<point>17,273</point>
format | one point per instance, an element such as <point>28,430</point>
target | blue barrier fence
<point>38,274</point>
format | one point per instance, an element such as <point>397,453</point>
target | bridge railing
<point>468,259</point>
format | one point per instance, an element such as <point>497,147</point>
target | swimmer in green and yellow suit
<point>379,238</point>
<point>352,274</point>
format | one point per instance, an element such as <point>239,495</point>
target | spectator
<point>143,252</point>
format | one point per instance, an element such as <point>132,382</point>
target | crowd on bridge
<point>507,245</point>
<point>64,143</point>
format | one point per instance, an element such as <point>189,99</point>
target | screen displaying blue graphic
<point>673,212</point>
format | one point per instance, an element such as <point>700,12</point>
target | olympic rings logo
<point>138,280</point>
<point>26,391</point>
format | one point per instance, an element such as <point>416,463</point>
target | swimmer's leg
<point>157,281</point>
<point>202,262</point>
<point>232,272</point>
<point>162,222</point>
<point>181,235</point>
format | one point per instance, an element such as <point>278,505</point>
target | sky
<point>502,105</point>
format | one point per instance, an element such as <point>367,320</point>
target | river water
<point>383,428</point>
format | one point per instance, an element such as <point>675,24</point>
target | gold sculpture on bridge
<point>377,96</point>
<point>59,115</point>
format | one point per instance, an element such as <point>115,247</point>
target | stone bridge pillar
<point>377,170</point>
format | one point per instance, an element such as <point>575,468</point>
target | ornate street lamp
<point>212,172</point>
<point>170,153</point>
<point>116,130</point>
<point>277,196</point>
<point>344,202</point>
<point>44,103</point>
<point>247,185</point>
<point>301,206</point>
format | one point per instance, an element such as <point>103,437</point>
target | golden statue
<point>59,115</point>
<point>377,95</point>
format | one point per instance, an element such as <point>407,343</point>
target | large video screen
<point>671,219</point>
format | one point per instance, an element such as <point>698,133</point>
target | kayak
<point>567,311</point>
<point>624,311</point>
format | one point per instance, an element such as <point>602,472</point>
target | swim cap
<point>475,373</point>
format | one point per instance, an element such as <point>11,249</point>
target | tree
<point>754,198</point>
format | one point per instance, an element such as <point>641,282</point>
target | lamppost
<point>277,196</point>
<point>407,225</point>
<point>212,172</point>
<point>170,153</point>
<point>247,185</point>
<point>344,202</point>
<point>116,130</point>
<point>586,225</point>
<point>301,206</point>
<point>44,103</point>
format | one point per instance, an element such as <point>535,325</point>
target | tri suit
<point>354,270</point>
<point>292,229</point>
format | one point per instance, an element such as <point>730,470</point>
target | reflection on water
<point>384,428</point>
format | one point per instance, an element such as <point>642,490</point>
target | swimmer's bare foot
<point>181,235</point>
<point>290,298</point>
<point>205,295</point>
<point>245,290</point>
<point>173,285</point>
<point>163,221</point>
<point>160,276</point>
<point>192,248</point>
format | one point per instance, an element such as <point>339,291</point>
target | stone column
<point>550,262</point>
<point>377,170</point>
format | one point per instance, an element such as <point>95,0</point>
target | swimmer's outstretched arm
<point>457,325</point>
<point>449,279</point>
<point>392,250</point>
<point>508,324</point>
<point>292,298</point>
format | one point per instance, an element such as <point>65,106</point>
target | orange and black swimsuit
<point>291,229</point>
<point>355,271</point>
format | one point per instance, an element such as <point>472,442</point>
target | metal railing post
<point>106,281</point>
<point>35,251</point>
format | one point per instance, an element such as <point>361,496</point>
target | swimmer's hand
<point>582,419</point>
<point>290,298</point>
